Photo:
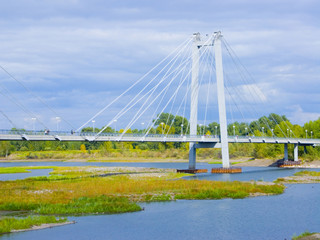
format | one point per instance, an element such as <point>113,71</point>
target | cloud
<point>78,54</point>
<point>299,116</point>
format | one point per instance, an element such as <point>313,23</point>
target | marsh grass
<point>9,170</point>
<point>301,177</point>
<point>307,173</point>
<point>305,234</point>
<point>234,190</point>
<point>116,193</point>
<point>86,205</point>
<point>8,224</point>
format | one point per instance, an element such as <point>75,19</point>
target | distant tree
<point>87,129</point>
<point>214,128</point>
<point>165,129</point>
<point>276,119</point>
<point>5,148</point>
<point>177,122</point>
<point>83,148</point>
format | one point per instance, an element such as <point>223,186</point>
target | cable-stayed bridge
<point>175,87</point>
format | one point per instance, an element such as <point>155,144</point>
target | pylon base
<point>289,163</point>
<point>227,170</point>
<point>192,170</point>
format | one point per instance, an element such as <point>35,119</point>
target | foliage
<point>305,234</point>
<point>8,170</point>
<point>307,173</point>
<point>88,205</point>
<point>83,194</point>
<point>9,224</point>
<point>177,123</point>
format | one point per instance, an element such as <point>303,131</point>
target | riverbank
<point>241,162</point>
<point>136,155</point>
<point>33,222</point>
<point>301,177</point>
<point>43,226</point>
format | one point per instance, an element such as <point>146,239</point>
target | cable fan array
<point>166,88</point>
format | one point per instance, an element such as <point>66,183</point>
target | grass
<point>86,205</point>
<point>232,163</point>
<point>83,194</point>
<point>9,224</point>
<point>305,234</point>
<point>301,177</point>
<point>9,170</point>
<point>307,173</point>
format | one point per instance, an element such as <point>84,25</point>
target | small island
<point>74,191</point>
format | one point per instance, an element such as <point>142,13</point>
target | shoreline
<point>242,162</point>
<point>43,226</point>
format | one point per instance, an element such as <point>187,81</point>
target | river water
<point>266,217</point>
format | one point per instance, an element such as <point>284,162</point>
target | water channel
<point>267,217</point>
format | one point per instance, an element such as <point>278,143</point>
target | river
<point>266,217</point>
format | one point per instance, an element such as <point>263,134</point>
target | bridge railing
<point>163,136</point>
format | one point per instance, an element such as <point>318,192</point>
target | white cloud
<point>299,116</point>
<point>74,53</point>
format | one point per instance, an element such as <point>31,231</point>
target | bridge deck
<point>63,136</point>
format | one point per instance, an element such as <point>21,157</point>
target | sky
<point>76,56</point>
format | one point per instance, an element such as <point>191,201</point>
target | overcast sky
<point>78,55</point>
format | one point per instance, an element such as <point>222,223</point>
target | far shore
<point>242,162</point>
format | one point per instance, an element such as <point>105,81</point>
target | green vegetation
<point>9,224</point>
<point>230,190</point>
<point>232,163</point>
<point>108,190</point>
<point>305,234</point>
<point>301,177</point>
<point>86,205</point>
<point>8,170</point>
<point>84,194</point>
<point>307,173</point>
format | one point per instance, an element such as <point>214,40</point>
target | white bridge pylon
<point>215,42</point>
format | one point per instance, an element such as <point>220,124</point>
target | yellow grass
<point>134,186</point>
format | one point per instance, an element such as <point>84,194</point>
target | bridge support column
<point>295,152</point>
<point>287,163</point>
<point>286,152</point>
<point>192,156</point>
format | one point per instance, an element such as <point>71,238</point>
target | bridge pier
<point>286,162</point>
<point>192,156</point>
<point>286,158</point>
<point>295,153</point>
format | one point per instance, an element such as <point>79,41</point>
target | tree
<point>83,148</point>
<point>177,122</point>
<point>165,129</point>
<point>5,148</point>
<point>214,128</point>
